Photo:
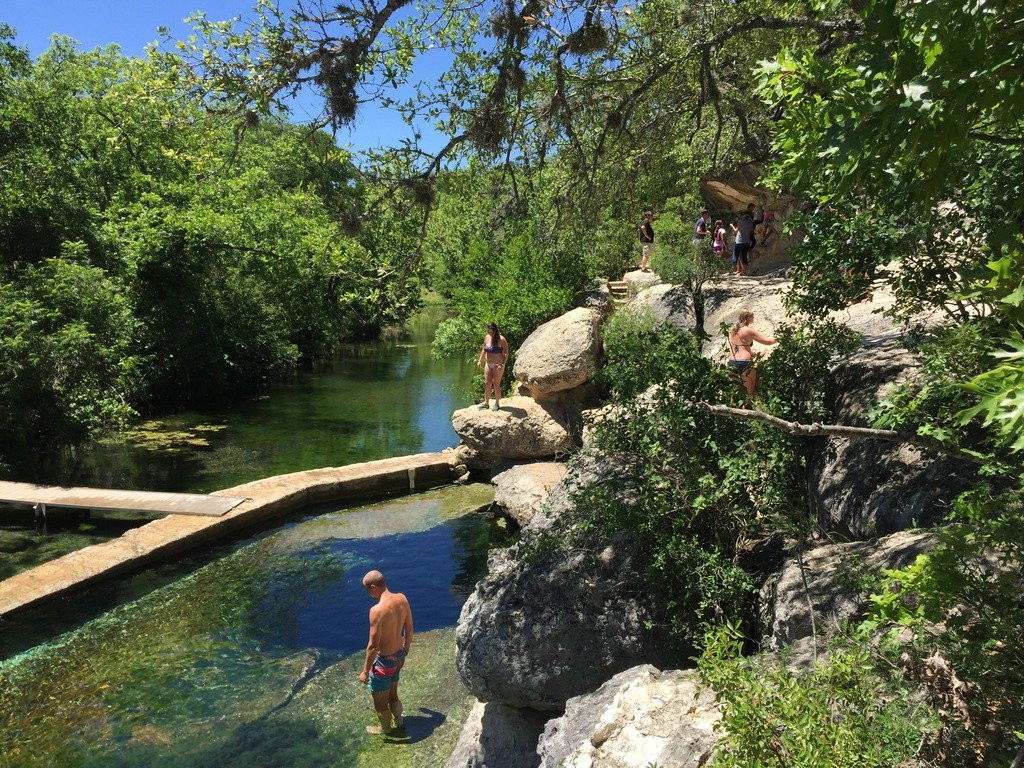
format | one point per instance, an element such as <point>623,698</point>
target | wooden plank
<point>105,498</point>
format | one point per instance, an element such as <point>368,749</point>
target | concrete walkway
<point>265,499</point>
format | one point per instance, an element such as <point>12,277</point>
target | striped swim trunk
<point>385,671</point>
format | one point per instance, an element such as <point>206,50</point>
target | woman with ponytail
<point>742,336</point>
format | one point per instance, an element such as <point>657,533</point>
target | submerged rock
<point>866,488</point>
<point>671,305</point>
<point>522,429</point>
<point>522,489</point>
<point>836,576</point>
<point>640,717</point>
<point>562,353</point>
<point>498,736</point>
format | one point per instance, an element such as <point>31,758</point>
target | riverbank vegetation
<point>154,254</point>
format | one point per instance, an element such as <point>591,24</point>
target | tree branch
<point>838,430</point>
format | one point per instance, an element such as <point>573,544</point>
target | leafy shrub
<point>841,713</point>
<point>962,600</point>
<point>517,284</point>
<point>639,354</point>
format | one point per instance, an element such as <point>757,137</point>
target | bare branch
<point>839,430</point>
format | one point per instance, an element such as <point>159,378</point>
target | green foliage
<point>690,486</point>
<point>517,283</point>
<point>963,601</point>
<point>794,378</point>
<point>841,713</point>
<point>66,363</point>
<point>639,353</point>
<point>150,252</point>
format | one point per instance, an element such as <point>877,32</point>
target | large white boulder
<point>640,717</point>
<point>562,353</point>
<point>670,305</point>
<point>522,429</point>
<point>637,280</point>
<point>521,490</point>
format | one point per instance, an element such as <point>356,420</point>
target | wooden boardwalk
<point>43,496</point>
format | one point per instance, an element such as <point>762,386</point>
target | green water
<point>378,400</point>
<point>249,656</point>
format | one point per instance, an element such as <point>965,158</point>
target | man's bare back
<point>390,615</point>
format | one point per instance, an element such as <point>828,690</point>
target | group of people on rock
<point>752,228</point>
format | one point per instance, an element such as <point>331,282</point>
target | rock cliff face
<point>540,628</point>
<point>866,488</point>
<point>731,193</point>
<point>834,590</point>
<point>640,717</point>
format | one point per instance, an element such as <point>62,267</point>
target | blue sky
<point>133,23</point>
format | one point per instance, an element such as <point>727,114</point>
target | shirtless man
<point>390,638</point>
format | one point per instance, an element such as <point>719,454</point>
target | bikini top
<point>494,349</point>
<point>737,347</point>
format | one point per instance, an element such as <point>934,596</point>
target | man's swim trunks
<point>385,671</point>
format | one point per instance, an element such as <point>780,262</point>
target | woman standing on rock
<point>495,353</point>
<point>741,341</point>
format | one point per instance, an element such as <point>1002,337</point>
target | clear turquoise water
<point>378,400</point>
<point>248,656</point>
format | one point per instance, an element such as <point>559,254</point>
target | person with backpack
<point>646,231</point>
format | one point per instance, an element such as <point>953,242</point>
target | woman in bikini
<point>495,353</point>
<point>741,341</point>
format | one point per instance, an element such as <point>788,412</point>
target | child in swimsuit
<point>718,246</point>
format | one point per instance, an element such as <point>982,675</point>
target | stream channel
<point>247,654</point>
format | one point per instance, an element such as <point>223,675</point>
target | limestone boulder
<point>534,634</point>
<point>522,489</point>
<point>636,280</point>
<point>562,353</point>
<point>861,489</point>
<point>599,298</point>
<point>539,630</point>
<point>498,736</point>
<point>835,591</point>
<point>522,429</point>
<point>670,305</point>
<point>640,717</point>
<point>723,300</point>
